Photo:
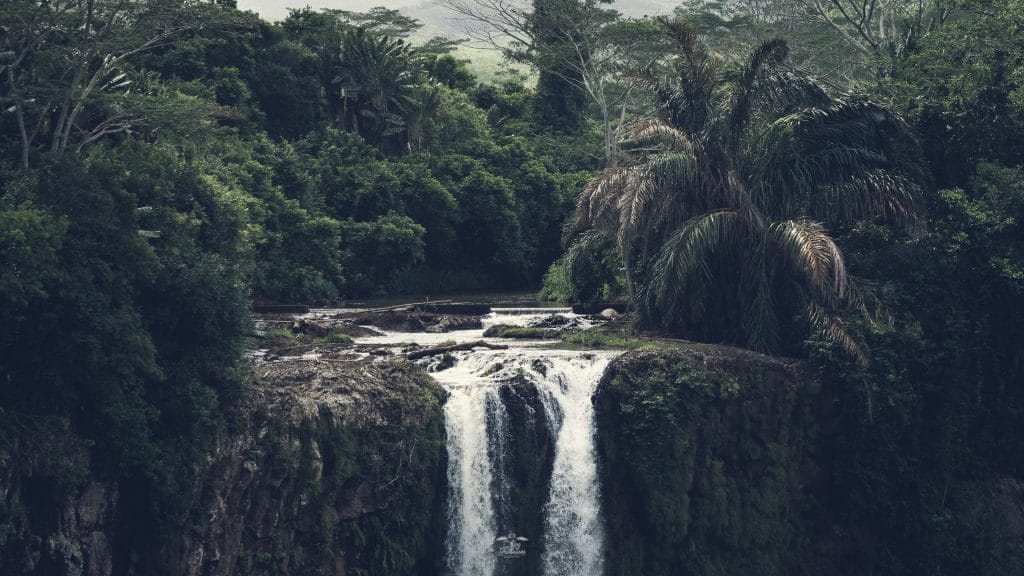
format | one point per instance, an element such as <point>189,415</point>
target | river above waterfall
<point>520,442</point>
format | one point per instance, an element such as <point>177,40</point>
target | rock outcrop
<point>331,468</point>
<point>525,467</point>
<point>701,450</point>
<point>722,461</point>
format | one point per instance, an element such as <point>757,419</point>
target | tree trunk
<point>65,108</point>
<point>19,114</point>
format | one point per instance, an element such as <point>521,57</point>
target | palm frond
<point>768,54</point>
<point>687,99</point>
<point>832,328</point>
<point>813,254</point>
<point>637,200</point>
<point>655,131</point>
<point>877,193</point>
<point>598,203</point>
<point>684,256</point>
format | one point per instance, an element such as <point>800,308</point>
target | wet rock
<point>553,321</point>
<point>528,457</point>
<point>310,327</point>
<point>412,321</point>
<point>496,331</point>
<point>448,323</point>
<point>540,366</point>
<point>446,361</point>
<point>328,327</point>
<point>688,437</point>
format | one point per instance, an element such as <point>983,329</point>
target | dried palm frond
<point>833,329</point>
<point>813,254</point>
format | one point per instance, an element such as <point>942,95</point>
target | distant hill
<point>438,20</point>
<point>430,12</point>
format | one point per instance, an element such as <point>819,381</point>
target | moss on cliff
<point>329,468</point>
<point>362,459</point>
<point>701,454</point>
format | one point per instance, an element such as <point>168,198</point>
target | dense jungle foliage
<point>797,177</point>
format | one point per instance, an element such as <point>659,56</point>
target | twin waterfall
<point>521,455</point>
<point>482,469</point>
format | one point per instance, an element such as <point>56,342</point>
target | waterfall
<point>497,442</point>
<point>470,509</point>
<point>573,533</point>
<point>530,311</point>
<point>477,427</point>
<point>543,485</point>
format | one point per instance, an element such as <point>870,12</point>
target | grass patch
<point>280,335</point>
<point>596,339</point>
<point>333,338</point>
<point>519,332</point>
<point>525,333</point>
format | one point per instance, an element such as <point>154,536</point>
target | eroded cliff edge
<point>720,461</point>
<point>701,450</point>
<point>714,461</point>
<point>329,468</point>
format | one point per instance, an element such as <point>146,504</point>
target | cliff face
<point>718,461</point>
<point>702,451</point>
<point>332,468</point>
<point>714,461</point>
<point>524,470</point>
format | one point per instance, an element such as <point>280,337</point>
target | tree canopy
<point>836,180</point>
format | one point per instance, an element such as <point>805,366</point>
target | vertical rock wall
<point>718,461</point>
<point>702,452</point>
<point>332,469</point>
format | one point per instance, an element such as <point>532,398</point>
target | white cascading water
<point>471,521</point>
<point>573,538</point>
<point>476,426</point>
<point>573,533</point>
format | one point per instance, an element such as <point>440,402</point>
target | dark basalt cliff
<point>523,471</point>
<point>702,451</point>
<point>718,461</point>
<point>714,461</point>
<point>331,468</point>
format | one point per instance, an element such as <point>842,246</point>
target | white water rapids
<point>477,429</point>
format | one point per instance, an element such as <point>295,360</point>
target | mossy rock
<point>521,332</point>
<point>701,453</point>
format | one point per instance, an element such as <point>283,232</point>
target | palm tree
<point>722,213</point>
<point>377,76</point>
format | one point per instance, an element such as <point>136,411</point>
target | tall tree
<point>722,216</point>
<point>65,58</point>
<point>578,50</point>
<point>378,76</point>
<point>561,102</point>
<point>379,20</point>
